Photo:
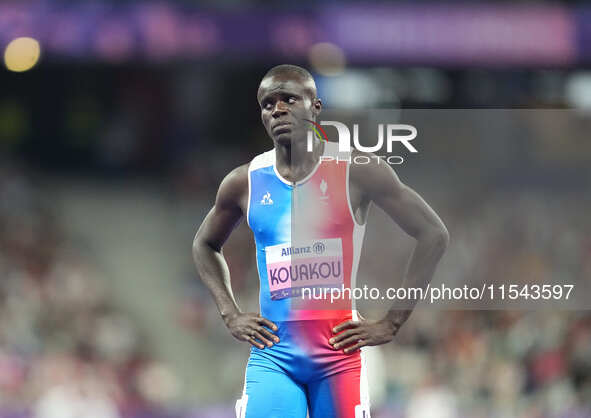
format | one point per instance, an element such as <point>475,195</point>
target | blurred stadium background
<point>113,144</point>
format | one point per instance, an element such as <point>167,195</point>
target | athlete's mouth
<point>281,124</point>
<point>282,127</point>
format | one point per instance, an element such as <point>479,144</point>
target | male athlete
<point>305,355</point>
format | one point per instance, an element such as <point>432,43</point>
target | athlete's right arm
<point>226,214</point>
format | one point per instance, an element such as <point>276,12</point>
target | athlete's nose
<point>279,109</point>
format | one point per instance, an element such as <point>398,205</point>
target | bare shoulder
<point>233,188</point>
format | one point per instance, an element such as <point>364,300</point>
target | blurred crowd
<point>65,349</point>
<point>490,364</point>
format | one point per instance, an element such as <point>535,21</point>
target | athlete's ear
<point>317,106</point>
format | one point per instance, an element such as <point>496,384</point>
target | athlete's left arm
<point>378,183</point>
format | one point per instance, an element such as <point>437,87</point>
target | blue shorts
<point>304,374</point>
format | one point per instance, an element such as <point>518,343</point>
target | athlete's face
<point>286,102</point>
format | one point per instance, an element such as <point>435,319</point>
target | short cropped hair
<point>294,70</point>
<point>289,69</point>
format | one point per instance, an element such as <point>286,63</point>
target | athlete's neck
<point>294,163</point>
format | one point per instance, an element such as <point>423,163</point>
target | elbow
<point>201,244</point>
<point>196,248</point>
<point>198,244</point>
<point>200,251</point>
<point>441,238</point>
<point>436,237</point>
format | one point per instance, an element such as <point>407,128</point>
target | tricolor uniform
<point>307,244</point>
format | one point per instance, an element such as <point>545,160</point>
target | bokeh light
<point>22,54</point>
<point>327,59</point>
<point>578,90</point>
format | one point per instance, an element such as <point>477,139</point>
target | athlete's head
<point>287,96</point>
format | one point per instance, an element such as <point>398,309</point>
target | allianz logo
<point>316,248</point>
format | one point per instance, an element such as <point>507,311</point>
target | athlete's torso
<point>306,237</point>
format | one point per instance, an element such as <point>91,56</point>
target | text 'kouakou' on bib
<point>309,264</point>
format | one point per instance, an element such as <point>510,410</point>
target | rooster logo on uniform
<point>266,200</point>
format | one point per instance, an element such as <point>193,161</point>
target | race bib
<point>317,263</point>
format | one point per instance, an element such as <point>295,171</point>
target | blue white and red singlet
<point>307,239</point>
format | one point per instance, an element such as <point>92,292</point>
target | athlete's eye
<point>267,106</point>
<point>292,100</point>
